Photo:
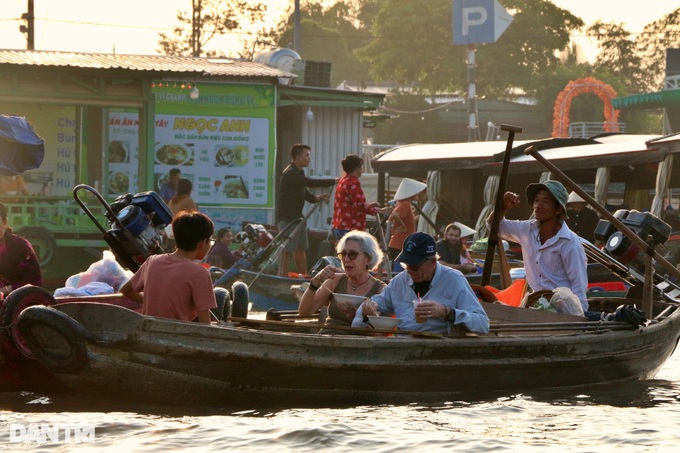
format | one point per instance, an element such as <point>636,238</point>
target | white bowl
<point>354,300</point>
<point>383,322</point>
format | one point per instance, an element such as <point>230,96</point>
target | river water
<point>641,416</point>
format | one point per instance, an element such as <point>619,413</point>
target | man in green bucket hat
<point>552,253</point>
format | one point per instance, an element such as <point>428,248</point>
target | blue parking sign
<point>478,21</point>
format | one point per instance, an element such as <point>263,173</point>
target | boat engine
<point>136,225</point>
<point>254,238</point>
<point>648,227</point>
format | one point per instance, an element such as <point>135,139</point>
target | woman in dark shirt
<point>18,263</point>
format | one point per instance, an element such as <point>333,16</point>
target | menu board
<point>223,141</point>
<point>227,158</point>
<point>122,154</point>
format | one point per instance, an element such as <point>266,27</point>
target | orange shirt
<point>174,288</point>
<point>404,211</point>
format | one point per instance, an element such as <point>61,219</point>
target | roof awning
<point>658,100</point>
<point>325,97</point>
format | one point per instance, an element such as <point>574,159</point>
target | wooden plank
<point>506,313</point>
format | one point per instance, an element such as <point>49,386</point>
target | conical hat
<point>408,188</point>
<point>464,229</point>
<point>575,198</point>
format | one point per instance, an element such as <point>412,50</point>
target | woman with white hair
<point>359,253</point>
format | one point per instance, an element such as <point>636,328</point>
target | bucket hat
<point>417,248</point>
<point>408,188</point>
<point>557,190</point>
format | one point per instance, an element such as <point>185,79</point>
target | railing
<point>55,214</point>
<point>585,130</point>
<point>672,83</point>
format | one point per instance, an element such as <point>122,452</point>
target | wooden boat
<point>19,369</point>
<point>106,350</point>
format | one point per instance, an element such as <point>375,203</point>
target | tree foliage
<point>206,20</point>
<point>651,47</point>
<point>331,35</point>
<point>412,45</point>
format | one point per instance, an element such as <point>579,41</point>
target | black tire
<point>43,242</point>
<point>240,300</point>
<point>57,340</point>
<point>12,341</point>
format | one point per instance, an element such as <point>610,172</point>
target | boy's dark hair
<point>190,228</point>
<point>174,172</point>
<point>351,163</point>
<point>298,149</point>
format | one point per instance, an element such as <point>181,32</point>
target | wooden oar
<point>494,241</point>
<point>316,325</point>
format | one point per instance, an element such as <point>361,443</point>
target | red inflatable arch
<point>578,87</point>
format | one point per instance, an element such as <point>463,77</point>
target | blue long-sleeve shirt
<point>449,287</point>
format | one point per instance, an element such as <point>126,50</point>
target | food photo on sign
<point>173,154</point>
<point>226,156</point>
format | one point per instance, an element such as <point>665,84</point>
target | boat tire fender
<point>57,340</point>
<point>240,300</point>
<point>12,341</point>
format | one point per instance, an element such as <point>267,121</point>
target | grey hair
<point>368,244</point>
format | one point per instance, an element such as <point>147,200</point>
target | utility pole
<point>29,28</point>
<point>196,9</point>
<point>296,27</point>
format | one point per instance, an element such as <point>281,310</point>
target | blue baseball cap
<point>417,248</point>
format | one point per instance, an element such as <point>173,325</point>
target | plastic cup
<point>419,319</point>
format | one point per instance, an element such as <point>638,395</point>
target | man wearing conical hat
<point>552,253</point>
<point>581,220</point>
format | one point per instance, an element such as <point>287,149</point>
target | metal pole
<point>296,27</point>
<point>472,96</point>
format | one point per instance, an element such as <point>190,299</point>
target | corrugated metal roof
<point>151,63</point>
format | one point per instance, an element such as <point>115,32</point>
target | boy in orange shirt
<point>174,285</point>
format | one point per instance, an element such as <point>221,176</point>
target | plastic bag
<point>106,270</point>
<point>565,301</point>
<point>90,289</point>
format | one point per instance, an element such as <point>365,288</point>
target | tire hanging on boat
<point>240,300</point>
<point>56,340</point>
<point>12,341</point>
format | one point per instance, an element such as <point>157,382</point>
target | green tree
<point>651,47</point>
<point>412,45</point>
<point>206,20</point>
<point>328,34</point>
<point>618,54</point>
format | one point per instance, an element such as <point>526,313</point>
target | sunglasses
<point>352,254</point>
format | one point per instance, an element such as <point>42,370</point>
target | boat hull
<point>212,365</point>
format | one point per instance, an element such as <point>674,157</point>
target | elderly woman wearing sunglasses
<point>359,253</point>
